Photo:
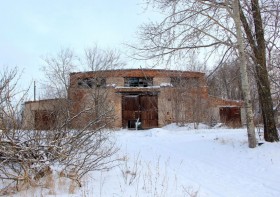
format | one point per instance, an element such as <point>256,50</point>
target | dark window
<point>138,82</point>
<point>184,82</point>
<point>92,82</point>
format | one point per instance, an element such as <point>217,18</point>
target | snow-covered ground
<point>179,161</point>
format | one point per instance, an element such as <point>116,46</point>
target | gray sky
<point>31,29</point>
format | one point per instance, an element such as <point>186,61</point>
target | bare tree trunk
<point>258,48</point>
<point>270,131</point>
<point>244,78</point>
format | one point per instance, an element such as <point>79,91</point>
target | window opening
<point>138,82</point>
<point>91,82</point>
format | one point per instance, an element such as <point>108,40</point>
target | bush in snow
<point>26,156</point>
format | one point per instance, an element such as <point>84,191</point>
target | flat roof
<point>46,100</point>
<point>138,73</point>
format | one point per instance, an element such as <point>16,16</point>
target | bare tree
<point>209,25</point>
<point>11,99</point>
<point>256,39</point>
<point>57,70</point>
<point>185,95</point>
<point>274,75</point>
<point>244,76</point>
<point>96,59</point>
<point>225,81</point>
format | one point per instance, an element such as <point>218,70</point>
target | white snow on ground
<point>179,161</point>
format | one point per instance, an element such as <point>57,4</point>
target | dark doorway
<point>231,116</point>
<point>44,120</point>
<point>139,108</point>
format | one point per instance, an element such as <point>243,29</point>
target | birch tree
<point>244,76</point>
<point>209,25</point>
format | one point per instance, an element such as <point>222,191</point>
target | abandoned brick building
<point>145,98</point>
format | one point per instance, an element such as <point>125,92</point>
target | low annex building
<point>139,98</point>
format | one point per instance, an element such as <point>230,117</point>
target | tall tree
<point>208,25</point>
<point>244,76</point>
<point>256,39</point>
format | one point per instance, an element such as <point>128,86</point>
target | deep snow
<point>179,161</point>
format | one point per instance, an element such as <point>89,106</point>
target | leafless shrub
<point>27,156</point>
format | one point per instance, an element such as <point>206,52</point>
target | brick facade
<point>179,96</point>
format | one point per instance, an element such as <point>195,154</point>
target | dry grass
<point>50,184</point>
<point>151,178</point>
<point>72,187</point>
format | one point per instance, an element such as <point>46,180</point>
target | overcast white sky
<point>31,29</point>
